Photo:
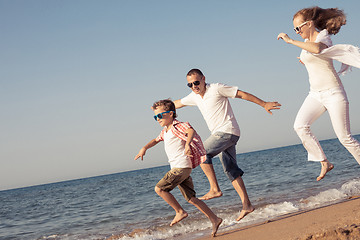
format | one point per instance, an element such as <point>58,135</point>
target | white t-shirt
<point>175,151</point>
<point>215,107</point>
<point>322,74</point>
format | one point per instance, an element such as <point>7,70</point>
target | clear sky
<point>78,77</point>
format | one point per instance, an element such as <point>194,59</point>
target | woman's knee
<point>301,130</point>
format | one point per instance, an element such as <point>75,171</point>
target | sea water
<point>124,205</point>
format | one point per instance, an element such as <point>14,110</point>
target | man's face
<point>193,80</point>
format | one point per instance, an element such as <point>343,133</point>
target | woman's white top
<point>175,151</point>
<point>322,74</point>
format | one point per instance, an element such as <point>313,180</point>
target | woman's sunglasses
<point>196,83</point>
<point>298,28</point>
<point>160,115</point>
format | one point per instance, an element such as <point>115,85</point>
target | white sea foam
<point>268,212</point>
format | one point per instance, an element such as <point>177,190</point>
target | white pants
<point>316,103</point>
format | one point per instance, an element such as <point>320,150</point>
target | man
<point>212,101</point>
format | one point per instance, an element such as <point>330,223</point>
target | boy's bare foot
<point>211,195</point>
<point>245,212</point>
<point>216,226</point>
<point>178,217</point>
<point>326,167</point>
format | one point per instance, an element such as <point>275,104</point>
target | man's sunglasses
<point>298,28</point>
<point>196,83</point>
<point>160,115</point>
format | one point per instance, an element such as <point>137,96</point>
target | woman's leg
<point>338,108</point>
<point>309,112</point>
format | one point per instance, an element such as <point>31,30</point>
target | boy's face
<point>167,118</point>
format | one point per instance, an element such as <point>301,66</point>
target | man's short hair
<point>167,104</point>
<point>195,71</point>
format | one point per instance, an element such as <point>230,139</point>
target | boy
<point>185,151</point>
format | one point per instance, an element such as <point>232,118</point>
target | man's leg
<point>214,191</point>
<point>234,173</point>
<point>239,186</point>
<point>214,145</point>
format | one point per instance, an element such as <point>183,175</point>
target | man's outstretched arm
<point>178,104</point>
<point>249,97</point>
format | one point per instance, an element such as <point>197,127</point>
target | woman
<point>327,93</point>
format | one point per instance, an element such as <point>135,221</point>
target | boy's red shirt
<point>197,148</point>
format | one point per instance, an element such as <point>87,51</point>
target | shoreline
<point>338,221</point>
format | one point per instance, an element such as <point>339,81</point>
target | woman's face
<point>303,27</point>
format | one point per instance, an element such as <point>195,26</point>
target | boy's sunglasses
<point>196,83</point>
<point>160,115</point>
<point>298,28</point>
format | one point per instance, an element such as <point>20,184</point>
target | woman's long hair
<point>330,19</point>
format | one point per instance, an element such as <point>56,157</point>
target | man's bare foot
<point>178,217</point>
<point>211,195</point>
<point>326,167</point>
<point>216,226</point>
<point>243,213</point>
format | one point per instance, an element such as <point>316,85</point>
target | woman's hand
<point>284,37</point>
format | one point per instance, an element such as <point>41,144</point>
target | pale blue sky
<point>78,78</point>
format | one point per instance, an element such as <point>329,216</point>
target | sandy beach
<point>338,221</point>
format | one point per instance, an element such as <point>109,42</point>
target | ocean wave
<point>201,226</point>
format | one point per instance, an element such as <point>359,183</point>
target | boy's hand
<point>188,150</point>
<point>141,154</point>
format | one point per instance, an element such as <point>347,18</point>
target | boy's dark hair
<point>195,71</point>
<point>167,104</point>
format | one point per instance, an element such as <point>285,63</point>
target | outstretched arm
<point>249,97</point>
<point>312,47</point>
<point>142,151</point>
<point>178,104</point>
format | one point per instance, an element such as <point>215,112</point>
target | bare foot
<point>243,213</point>
<point>178,217</point>
<point>211,195</point>
<point>326,167</point>
<point>216,226</point>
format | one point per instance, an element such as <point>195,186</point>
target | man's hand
<point>271,106</point>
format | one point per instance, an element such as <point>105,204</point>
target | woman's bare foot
<point>245,212</point>
<point>211,195</point>
<point>178,217</point>
<point>326,167</point>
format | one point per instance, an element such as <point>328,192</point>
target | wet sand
<point>335,222</point>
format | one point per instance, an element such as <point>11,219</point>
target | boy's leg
<point>172,179</point>
<point>170,199</point>
<point>187,190</point>
<point>215,221</point>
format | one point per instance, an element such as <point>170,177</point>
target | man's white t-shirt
<point>215,107</point>
<point>175,151</point>
<point>322,74</point>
